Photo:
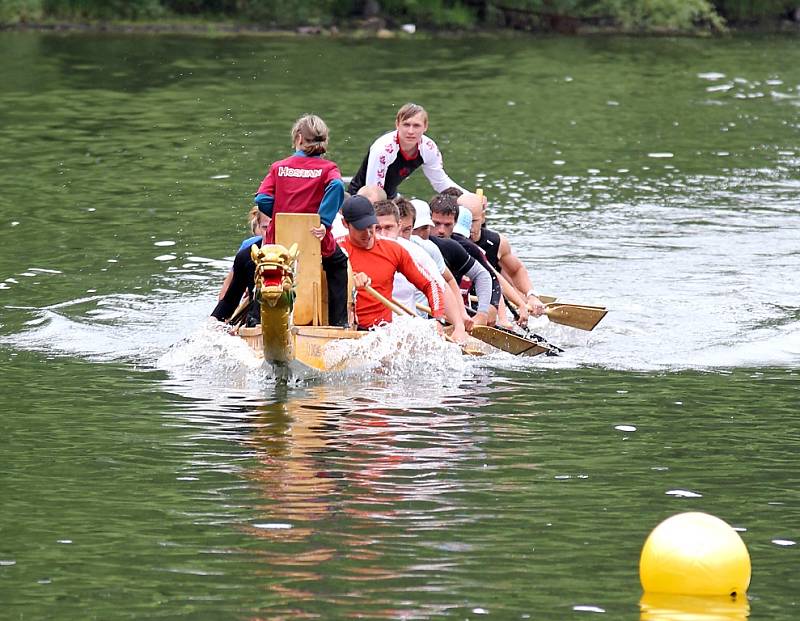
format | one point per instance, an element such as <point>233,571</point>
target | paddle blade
<point>581,317</point>
<point>511,343</point>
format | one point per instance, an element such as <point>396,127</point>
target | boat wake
<point>763,348</point>
<point>408,348</point>
<point>119,328</point>
<point>173,334</point>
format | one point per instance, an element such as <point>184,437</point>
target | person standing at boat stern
<point>398,153</point>
<point>375,261</point>
<point>304,182</point>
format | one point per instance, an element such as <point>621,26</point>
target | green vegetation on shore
<point>566,16</point>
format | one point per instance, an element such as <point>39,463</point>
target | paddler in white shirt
<point>403,291</point>
<point>412,214</point>
<point>398,153</point>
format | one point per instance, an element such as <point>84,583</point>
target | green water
<point>149,470</point>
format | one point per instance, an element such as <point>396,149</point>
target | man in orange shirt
<point>374,262</point>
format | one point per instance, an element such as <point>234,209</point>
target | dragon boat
<point>291,292</point>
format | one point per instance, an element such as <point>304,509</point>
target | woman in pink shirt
<point>304,182</point>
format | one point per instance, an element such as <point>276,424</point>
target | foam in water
<point>407,346</point>
<point>780,348</point>
<point>210,352</point>
<point>170,331</point>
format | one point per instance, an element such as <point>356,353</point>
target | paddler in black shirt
<point>461,264</point>
<point>499,253</point>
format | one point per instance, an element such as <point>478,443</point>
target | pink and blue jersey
<point>302,184</point>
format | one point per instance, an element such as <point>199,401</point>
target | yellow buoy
<point>694,554</point>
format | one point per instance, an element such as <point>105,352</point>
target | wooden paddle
<point>581,317</point>
<point>508,341</point>
<point>393,305</point>
<point>240,314</point>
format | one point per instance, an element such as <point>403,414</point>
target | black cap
<point>357,211</point>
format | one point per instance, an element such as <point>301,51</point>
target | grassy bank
<point>392,17</point>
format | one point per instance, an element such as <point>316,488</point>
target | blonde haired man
<point>398,153</point>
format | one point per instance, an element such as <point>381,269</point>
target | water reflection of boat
<point>340,480</point>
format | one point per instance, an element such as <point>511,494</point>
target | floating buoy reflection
<point>673,607</point>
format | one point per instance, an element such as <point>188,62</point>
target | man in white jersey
<point>413,213</point>
<point>398,153</point>
<point>403,291</point>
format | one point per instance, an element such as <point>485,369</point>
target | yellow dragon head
<point>274,272</point>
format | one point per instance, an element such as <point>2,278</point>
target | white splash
<point>407,346</point>
<point>683,493</point>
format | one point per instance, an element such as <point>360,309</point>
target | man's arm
<point>497,287</point>
<point>225,284</point>
<point>514,270</point>
<point>483,289</point>
<point>379,158</point>
<point>422,281</point>
<point>457,302</point>
<point>332,200</point>
<point>454,310</point>
<point>515,297</point>
<point>433,167</point>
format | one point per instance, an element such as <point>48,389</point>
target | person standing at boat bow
<point>306,183</point>
<point>398,153</point>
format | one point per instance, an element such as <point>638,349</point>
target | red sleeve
<point>268,183</point>
<point>408,268</point>
<point>333,172</point>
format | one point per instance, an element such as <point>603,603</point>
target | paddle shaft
<point>393,305</point>
<point>238,316</point>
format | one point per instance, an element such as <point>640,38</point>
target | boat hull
<point>307,345</point>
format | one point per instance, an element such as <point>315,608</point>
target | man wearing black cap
<point>374,262</point>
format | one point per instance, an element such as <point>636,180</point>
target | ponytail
<point>310,135</point>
